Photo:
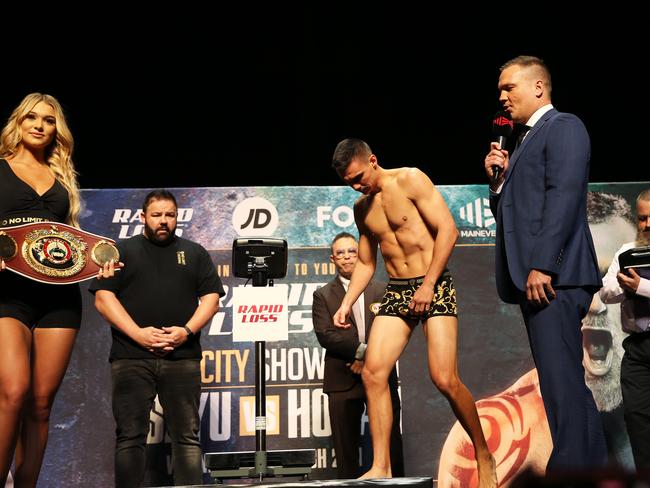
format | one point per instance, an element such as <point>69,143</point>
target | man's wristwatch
<point>189,331</point>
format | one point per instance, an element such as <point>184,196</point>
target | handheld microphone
<point>502,126</point>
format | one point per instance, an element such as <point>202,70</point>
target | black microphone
<point>502,126</point>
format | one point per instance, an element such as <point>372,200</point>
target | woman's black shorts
<point>39,304</point>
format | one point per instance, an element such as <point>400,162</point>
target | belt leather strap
<point>55,253</point>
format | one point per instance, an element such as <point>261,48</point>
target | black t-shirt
<point>159,286</point>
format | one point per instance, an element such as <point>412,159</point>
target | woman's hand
<point>108,270</point>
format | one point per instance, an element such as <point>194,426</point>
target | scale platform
<point>259,464</point>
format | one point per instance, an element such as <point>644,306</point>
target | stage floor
<point>280,482</point>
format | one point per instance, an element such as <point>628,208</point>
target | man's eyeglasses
<point>340,253</point>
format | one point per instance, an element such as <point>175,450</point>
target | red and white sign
<point>260,313</point>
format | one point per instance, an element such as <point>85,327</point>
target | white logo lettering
<point>131,225</point>
<point>342,216</point>
<point>478,213</point>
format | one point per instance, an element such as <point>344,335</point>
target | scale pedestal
<point>260,463</point>
<point>260,259</point>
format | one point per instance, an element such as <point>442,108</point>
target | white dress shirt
<point>611,292</point>
<point>357,311</point>
<point>359,318</point>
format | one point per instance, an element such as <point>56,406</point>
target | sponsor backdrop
<point>493,349</point>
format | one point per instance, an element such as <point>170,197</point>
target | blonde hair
<point>58,155</point>
<point>532,62</point>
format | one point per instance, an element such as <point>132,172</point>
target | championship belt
<point>55,253</point>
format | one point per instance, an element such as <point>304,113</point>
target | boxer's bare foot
<point>376,473</point>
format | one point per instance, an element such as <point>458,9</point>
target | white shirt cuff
<point>361,352</point>
<point>644,288</point>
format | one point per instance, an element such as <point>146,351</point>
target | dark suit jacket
<point>340,344</point>
<point>541,209</point>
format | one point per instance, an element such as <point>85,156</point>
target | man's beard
<point>152,235</point>
<point>606,390</point>
<point>643,238</point>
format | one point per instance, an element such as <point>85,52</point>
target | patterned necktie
<point>522,134</point>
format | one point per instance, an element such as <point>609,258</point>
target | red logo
<point>259,313</point>
<point>501,121</point>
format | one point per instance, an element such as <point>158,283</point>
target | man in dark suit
<point>345,350</point>
<point>545,258</point>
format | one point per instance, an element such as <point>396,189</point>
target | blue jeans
<point>135,385</point>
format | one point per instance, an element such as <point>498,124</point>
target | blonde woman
<point>38,322</point>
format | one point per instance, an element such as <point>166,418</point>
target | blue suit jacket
<point>541,209</point>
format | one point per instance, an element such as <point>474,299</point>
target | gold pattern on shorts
<point>398,296</point>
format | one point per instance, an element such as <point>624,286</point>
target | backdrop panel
<point>494,358</point>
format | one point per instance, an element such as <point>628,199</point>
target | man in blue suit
<point>545,257</point>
